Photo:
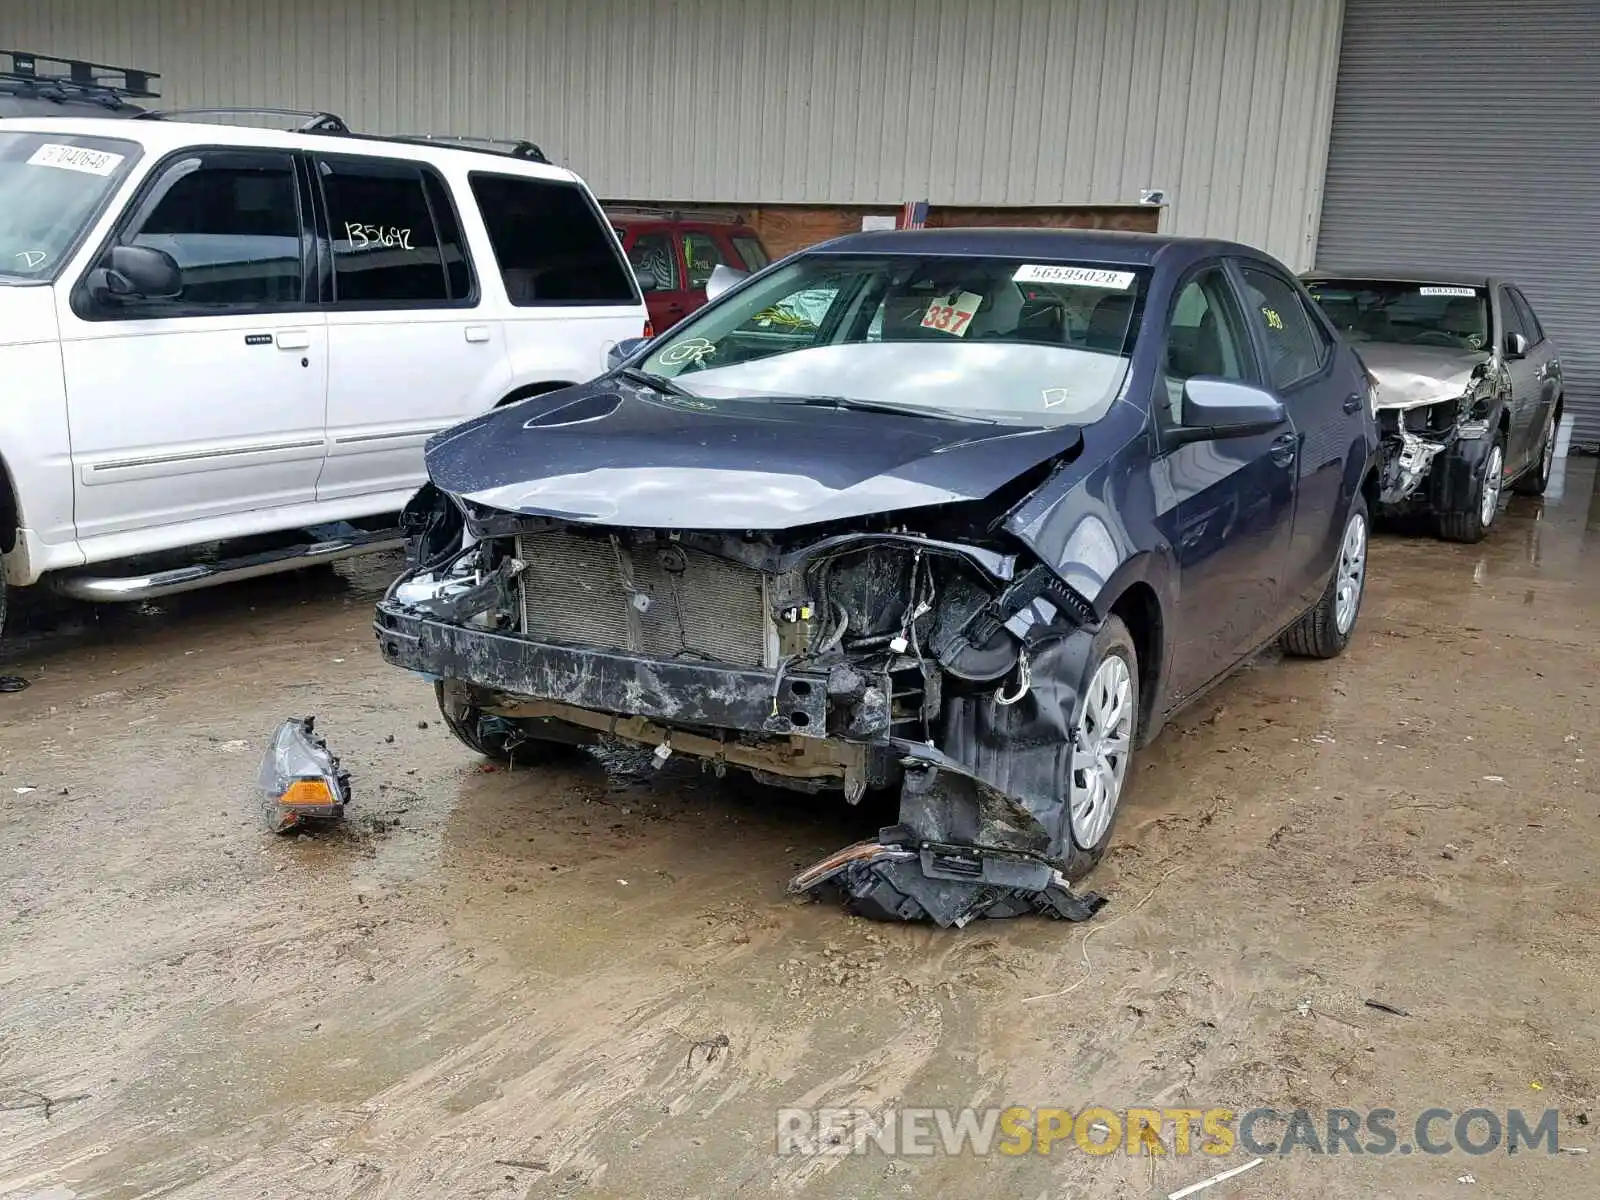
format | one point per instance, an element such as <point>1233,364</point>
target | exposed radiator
<point>662,600</point>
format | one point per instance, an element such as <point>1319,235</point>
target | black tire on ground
<point>1317,634</point>
<point>1113,639</point>
<point>536,744</point>
<point>1535,481</point>
<point>2,594</point>
<point>1467,524</point>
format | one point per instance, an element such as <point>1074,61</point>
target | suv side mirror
<point>137,273</point>
<point>622,351</point>
<point>1222,408</point>
<point>646,279</point>
<point>722,278</point>
<point>1516,346</point>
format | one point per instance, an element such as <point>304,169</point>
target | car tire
<point>1325,629</point>
<point>1472,524</point>
<point>2,594</point>
<point>1535,481</point>
<point>466,722</point>
<point>1091,817</point>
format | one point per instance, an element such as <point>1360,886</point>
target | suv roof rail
<point>87,79</point>
<point>510,147</point>
<point>309,121</point>
<point>672,213</point>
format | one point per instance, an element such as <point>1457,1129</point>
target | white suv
<point>212,331</point>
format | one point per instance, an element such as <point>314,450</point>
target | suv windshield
<point>1004,339</point>
<point>51,185</point>
<point>1410,314</point>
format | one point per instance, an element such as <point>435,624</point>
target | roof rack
<point>63,77</point>
<point>308,121</point>
<point>510,147</point>
<point>664,212</point>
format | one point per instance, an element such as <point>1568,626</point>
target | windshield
<point>1408,314</point>
<point>1003,339</point>
<point>51,185</point>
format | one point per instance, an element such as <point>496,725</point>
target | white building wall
<point>1224,104</point>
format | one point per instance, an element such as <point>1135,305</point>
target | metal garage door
<point>1467,135</point>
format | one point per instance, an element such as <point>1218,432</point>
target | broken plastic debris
<point>1494,778</point>
<point>949,885</point>
<point>301,779</point>
<point>1467,1178</point>
<point>23,791</point>
<point>661,754</point>
<point>16,683</point>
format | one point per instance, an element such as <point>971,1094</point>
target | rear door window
<point>652,253</point>
<point>551,242</point>
<point>701,256</point>
<point>395,238</point>
<point>1296,345</point>
<point>752,252</point>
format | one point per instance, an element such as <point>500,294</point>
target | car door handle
<point>293,339</point>
<point>1283,449</point>
<point>477,333</point>
<point>1352,403</point>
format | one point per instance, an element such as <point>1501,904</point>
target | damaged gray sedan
<point>1467,390</point>
<point>962,513</point>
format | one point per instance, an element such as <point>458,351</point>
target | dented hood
<point>614,454</point>
<point>1409,376</point>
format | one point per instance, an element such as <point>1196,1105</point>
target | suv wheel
<point>1324,631</point>
<point>513,742</point>
<point>1536,480</point>
<point>1472,523</point>
<point>1102,741</point>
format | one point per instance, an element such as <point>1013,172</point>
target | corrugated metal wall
<point>1467,136</point>
<point>1225,104</point>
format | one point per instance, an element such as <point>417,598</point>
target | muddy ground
<point>495,968</point>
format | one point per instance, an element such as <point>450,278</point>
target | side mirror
<point>1516,346</point>
<point>722,278</point>
<point>1221,408</point>
<point>622,351</point>
<point>646,279</point>
<point>137,273</point>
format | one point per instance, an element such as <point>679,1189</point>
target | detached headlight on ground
<point>301,780</point>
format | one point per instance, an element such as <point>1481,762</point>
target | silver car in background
<point>1467,389</point>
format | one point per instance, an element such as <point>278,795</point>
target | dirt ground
<point>492,984</point>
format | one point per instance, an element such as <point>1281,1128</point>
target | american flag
<point>914,214</point>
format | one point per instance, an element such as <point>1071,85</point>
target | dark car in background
<point>675,251</point>
<point>1467,389</point>
<point>966,512</point>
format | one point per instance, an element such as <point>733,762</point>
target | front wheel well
<point>10,517</point>
<point>533,389</point>
<point>1140,611</point>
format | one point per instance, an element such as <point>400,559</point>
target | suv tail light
<point>649,329</point>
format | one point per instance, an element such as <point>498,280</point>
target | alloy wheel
<point>1351,573</point>
<point>1100,759</point>
<point>1493,472</point>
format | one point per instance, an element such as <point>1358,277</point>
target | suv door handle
<point>1352,403</point>
<point>1283,448</point>
<point>293,339</point>
<point>477,333</point>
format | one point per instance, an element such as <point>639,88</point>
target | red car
<point>676,251</point>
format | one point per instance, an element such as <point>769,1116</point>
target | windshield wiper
<point>882,406</point>
<point>658,382</point>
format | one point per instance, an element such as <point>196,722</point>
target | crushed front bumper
<point>750,700</point>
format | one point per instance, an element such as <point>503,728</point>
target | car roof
<point>161,137</point>
<point>1390,275</point>
<point>1116,247</point>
